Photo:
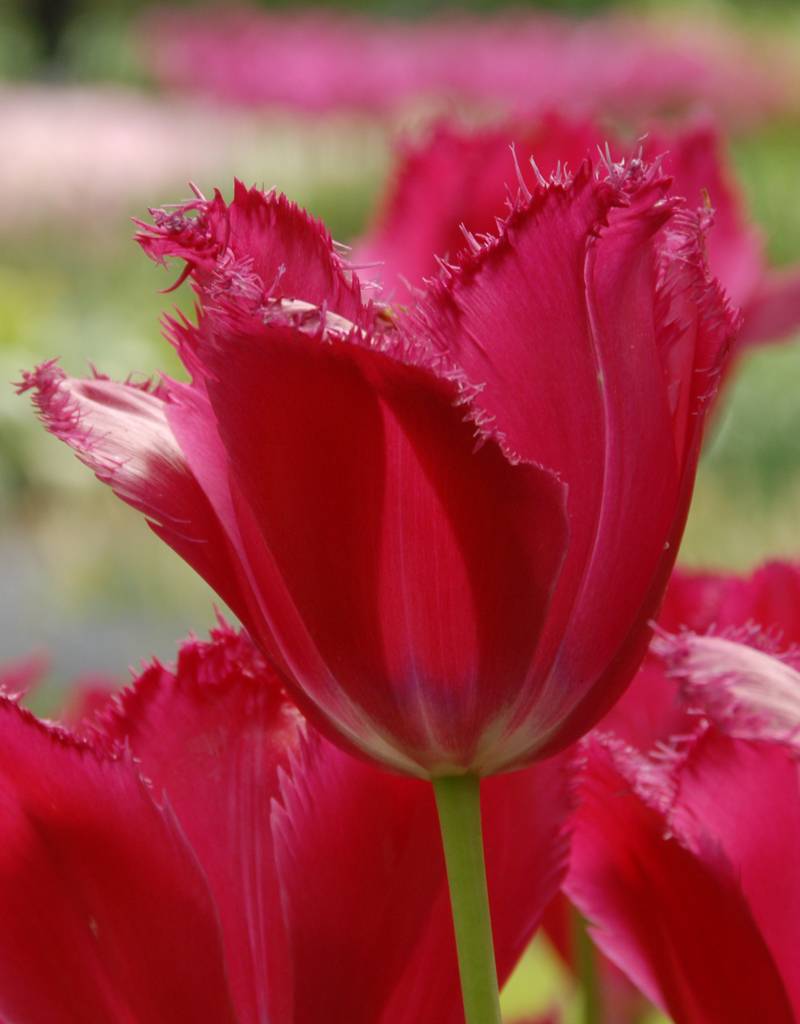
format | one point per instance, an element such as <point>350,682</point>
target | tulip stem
<point>459,804</point>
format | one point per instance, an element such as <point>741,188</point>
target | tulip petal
<point>211,737</point>
<point>360,864</point>
<point>762,609</point>
<point>104,913</point>
<point>696,159</point>
<point>693,327</point>
<point>406,555</point>
<point>745,797</point>
<point>260,245</point>
<point>362,846</point>
<point>457,178</point>
<point>663,884</point>
<point>773,310</point>
<point>744,687</point>
<point>620,292</point>
<point>120,431</point>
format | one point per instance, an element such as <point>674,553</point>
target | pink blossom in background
<point>17,677</point>
<point>520,62</point>
<point>686,867</point>
<point>683,684</point>
<point>653,710</point>
<point>88,155</point>
<point>456,177</point>
<point>203,855</point>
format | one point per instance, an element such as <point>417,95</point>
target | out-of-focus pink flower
<point>18,676</point>
<point>766,603</point>
<point>441,605</point>
<point>203,854</point>
<point>515,61</point>
<point>692,678</point>
<point>769,299</point>
<point>457,177</point>
<point>676,852</point>
<point>747,688</point>
<point>86,156</point>
<point>684,866</point>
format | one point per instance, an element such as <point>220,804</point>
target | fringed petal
<point>121,432</point>
<point>625,293</point>
<point>212,735</point>
<point>748,691</point>
<point>456,179</point>
<point>667,901</point>
<point>762,609</point>
<point>695,157</point>
<point>104,912</point>
<point>258,246</point>
<point>692,329</point>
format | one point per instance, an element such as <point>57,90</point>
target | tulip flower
<point>684,867</point>
<point>447,528</point>
<point>675,859</point>
<point>203,854</point>
<point>676,852</point>
<point>682,681</point>
<point>456,177</point>
<point>764,604</point>
<point>443,609</point>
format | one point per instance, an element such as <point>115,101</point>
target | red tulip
<point>744,687</point>
<point>654,711</point>
<point>203,855</point>
<point>447,528</point>
<point>684,866</point>
<point>460,177</point>
<point>676,855</point>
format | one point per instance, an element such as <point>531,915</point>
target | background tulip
<point>674,804</point>
<point>121,847</point>
<point>456,176</point>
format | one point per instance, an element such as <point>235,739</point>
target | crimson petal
<point>211,736</point>
<point>405,576</point>
<point>668,863</point>
<point>104,912</point>
<point>260,245</point>
<point>120,431</point>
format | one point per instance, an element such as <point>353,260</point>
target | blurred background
<point>108,107</point>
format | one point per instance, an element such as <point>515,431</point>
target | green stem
<point>459,804</point>
<point>586,963</point>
